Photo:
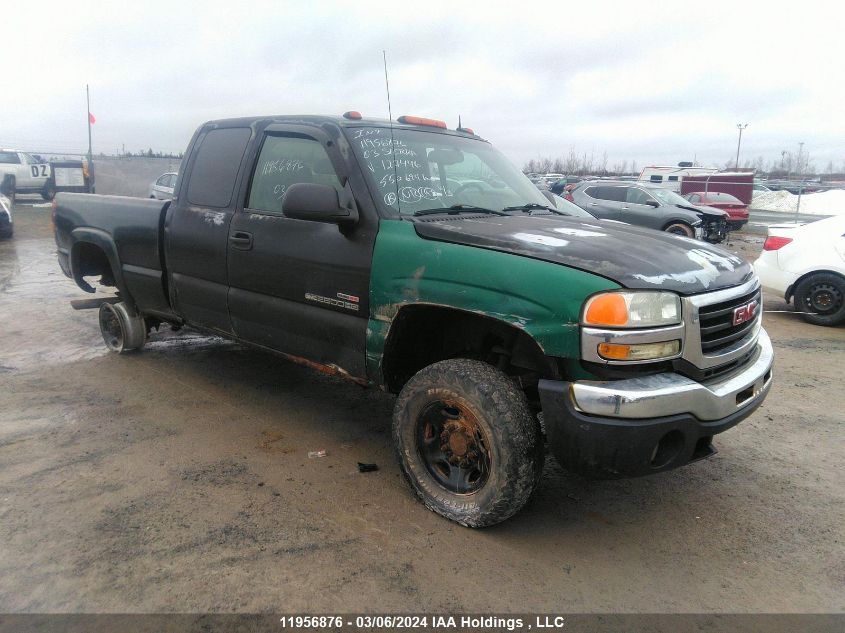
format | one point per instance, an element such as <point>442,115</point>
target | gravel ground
<point>177,479</point>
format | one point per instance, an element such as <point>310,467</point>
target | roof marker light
<point>353,115</point>
<point>418,120</point>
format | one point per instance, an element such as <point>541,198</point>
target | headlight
<point>632,309</point>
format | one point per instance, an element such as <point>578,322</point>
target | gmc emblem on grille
<point>745,313</point>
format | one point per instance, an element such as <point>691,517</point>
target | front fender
<point>543,299</point>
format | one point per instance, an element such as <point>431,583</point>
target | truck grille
<point>716,322</point>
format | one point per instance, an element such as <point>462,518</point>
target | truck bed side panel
<point>134,227</point>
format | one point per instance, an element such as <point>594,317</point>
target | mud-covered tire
<point>821,299</point>
<point>122,331</point>
<point>511,439</point>
<point>680,228</point>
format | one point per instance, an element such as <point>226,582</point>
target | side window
<point>163,180</point>
<point>672,179</point>
<point>694,198</point>
<point>284,161</point>
<point>637,196</point>
<point>656,178</point>
<point>593,192</point>
<point>10,158</point>
<point>614,194</point>
<point>219,156</point>
<point>171,181</point>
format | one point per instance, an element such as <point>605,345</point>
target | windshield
<point>669,197</point>
<point>419,171</point>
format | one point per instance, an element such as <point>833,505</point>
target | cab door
<point>197,227</point>
<point>36,172</point>
<point>297,286</point>
<point>640,208</point>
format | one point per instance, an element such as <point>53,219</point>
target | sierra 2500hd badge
<point>349,302</point>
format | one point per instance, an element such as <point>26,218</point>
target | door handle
<point>241,240</point>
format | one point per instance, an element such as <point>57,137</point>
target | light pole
<point>740,127</point>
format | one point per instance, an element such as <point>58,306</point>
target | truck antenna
<point>392,142</point>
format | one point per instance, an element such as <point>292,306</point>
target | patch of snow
<point>820,203</point>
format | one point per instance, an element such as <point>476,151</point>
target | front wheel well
<point>421,335</point>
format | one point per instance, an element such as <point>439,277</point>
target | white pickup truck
<point>21,172</point>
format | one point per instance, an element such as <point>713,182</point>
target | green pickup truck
<point>417,259</point>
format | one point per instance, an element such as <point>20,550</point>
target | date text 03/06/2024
<point>424,622</point>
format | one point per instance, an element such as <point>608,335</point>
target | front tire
<point>680,228</point>
<point>467,442</point>
<point>821,299</point>
<point>49,192</point>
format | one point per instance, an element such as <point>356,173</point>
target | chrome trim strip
<point>665,394</point>
<point>591,337</point>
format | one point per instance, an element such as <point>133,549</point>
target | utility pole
<point>740,127</point>
<point>798,167</point>
<point>90,153</point>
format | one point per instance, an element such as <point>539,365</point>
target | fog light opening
<point>667,449</point>
<point>745,395</point>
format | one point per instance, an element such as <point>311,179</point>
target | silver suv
<point>650,206</point>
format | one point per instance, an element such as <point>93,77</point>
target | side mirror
<point>318,203</point>
<point>653,203</point>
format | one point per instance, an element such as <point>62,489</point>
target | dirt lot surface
<point>178,479</point>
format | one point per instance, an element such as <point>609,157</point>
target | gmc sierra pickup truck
<point>415,258</point>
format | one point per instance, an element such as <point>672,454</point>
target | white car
<point>162,188</point>
<point>24,173</point>
<point>807,262</point>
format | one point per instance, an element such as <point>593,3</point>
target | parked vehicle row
<point>420,260</point>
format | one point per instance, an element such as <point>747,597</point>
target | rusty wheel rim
<point>111,329</point>
<point>453,447</point>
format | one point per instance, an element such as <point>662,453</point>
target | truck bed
<point>127,231</point>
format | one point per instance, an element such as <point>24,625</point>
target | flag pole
<point>90,154</point>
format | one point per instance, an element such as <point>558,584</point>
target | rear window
<point>219,156</point>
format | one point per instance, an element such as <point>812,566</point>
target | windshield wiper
<point>531,206</point>
<point>457,208</point>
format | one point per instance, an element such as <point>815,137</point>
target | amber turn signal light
<point>644,351</point>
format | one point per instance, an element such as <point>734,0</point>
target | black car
<point>651,206</point>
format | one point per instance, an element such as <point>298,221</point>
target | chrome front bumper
<point>668,394</point>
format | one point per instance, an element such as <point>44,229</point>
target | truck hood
<point>633,257</point>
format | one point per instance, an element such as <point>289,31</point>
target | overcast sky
<point>654,82</point>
